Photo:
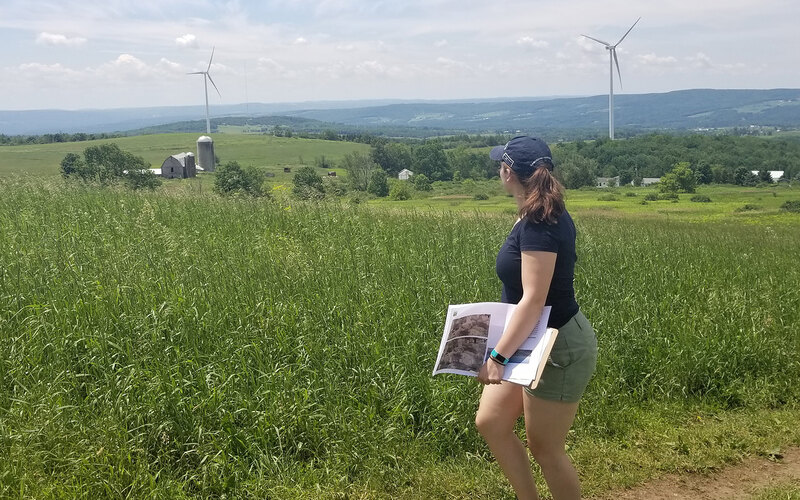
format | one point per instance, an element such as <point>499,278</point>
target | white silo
<point>205,153</point>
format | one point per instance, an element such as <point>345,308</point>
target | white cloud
<point>188,40</point>
<point>346,47</point>
<point>652,59</point>
<point>375,68</point>
<point>530,42</point>
<point>45,38</point>
<point>300,41</point>
<point>440,43</point>
<point>46,71</point>
<point>701,61</point>
<point>271,67</point>
<point>170,66</point>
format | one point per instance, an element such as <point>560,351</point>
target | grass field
<point>256,150</point>
<point>175,344</point>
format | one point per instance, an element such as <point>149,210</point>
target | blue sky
<point>71,54</point>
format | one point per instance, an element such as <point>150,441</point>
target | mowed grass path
<point>180,345</point>
<point>256,150</point>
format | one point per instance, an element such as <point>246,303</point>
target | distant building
<point>646,181</point>
<point>405,174</point>
<point>774,174</point>
<point>604,182</point>
<point>179,166</point>
<point>287,170</point>
<point>332,174</point>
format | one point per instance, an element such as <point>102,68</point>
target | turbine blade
<point>214,84</point>
<point>626,33</point>
<point>598,41</point>
<point>197,73</point>
<point>211,59</point>
<point>616,61</point>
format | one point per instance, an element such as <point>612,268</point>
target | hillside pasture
<point>258,150</point>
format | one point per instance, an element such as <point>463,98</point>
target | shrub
<point>668,196</point>
<point>630,194</point>
<point>651,197</point>
<point>307,184</point>
<point>480,196</point>
<point>232,179</point>
<point>421,182</point>
<point>748,208</point>
<point>791,206</point>
<point>336,186</point>
<point>400,191</point>
<point>700,198</point>
<point>142,179</point>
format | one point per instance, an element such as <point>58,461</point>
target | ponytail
<point>544,197</point>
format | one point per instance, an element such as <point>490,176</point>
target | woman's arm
<point>537,272</point>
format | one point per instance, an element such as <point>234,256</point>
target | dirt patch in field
<point>739,481</point>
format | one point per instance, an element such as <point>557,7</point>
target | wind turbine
<point>612,60</point>
<point>206,79</point>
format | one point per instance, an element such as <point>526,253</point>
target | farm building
<point>775,174</point>
<point>604,182</point>
<point>179,166</point>
<point>405,174</point>
<point>646,181</point>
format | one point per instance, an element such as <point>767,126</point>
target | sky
<point>98,54</point>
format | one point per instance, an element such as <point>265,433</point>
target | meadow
<point>256,150</point>
<point>175,344</point>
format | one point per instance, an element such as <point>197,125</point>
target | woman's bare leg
<point>547,424</point>
<point>500,407</point>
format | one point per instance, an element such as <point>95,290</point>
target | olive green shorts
<point>571,362</point>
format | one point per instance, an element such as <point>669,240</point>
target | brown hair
<point>544,197</point>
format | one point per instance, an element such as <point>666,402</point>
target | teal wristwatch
<point>498,358</point>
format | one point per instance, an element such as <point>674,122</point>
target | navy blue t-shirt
<point>558,238</point>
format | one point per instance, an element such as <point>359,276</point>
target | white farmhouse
<point>405,174</point>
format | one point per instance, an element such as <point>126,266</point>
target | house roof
<point>775,174</point>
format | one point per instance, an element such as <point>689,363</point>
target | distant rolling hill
<point>679,110</point>
<point>685,109</point>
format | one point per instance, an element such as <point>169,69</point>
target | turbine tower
<point>206,79</point>
<point>612,60</point>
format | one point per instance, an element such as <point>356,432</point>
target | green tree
<point>72,165</point>
<point>307,184</point>
<point>704,173</point>
<point>743,177</point>
<point>359,167</point>
<point>679,179</point>
<point>107,163</point>
<point>575,170</point>
<point>763,176</point>
<point>142,179</point>
<point>378,183</point>
<point>421,182</point>
<point>431,160</point>
<point>231,179</point>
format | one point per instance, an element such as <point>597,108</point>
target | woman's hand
<point>491,372</point>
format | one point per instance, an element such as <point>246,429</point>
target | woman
<point>536,266</point>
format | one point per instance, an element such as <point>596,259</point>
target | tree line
<point>19,140</point>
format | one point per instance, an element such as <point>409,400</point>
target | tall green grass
<point>182,345</point>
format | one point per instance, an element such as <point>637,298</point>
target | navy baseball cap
<point>524,154</point>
